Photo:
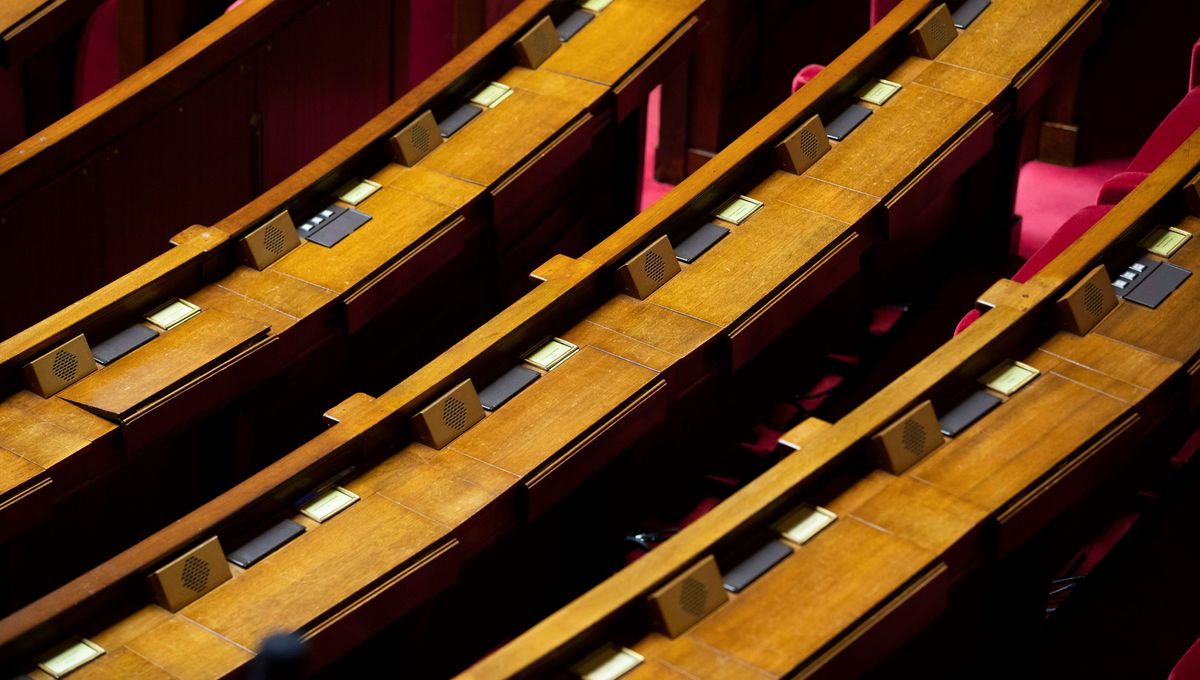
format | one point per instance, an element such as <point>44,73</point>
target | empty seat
<point>1181,122</point>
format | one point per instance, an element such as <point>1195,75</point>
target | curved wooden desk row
<point>446,232</point>
<point>423,511</point>
<point>883,569</point>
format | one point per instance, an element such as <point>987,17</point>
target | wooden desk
<point>572,289</point>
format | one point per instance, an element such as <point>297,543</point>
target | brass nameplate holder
<point>596,6</point>
<point>1088,302</point>
<point>70,657</point>
<point>60,368</point>
<point>878,92</point>
<point>1164,241</point>
<point>607,663</point>
<point>934,33</point>
<point>688,598</point>
<point>548,355</point>
<point>172,314</point>
<point>455,412</point>
<point>647,271</point>
<point>1009,377</point>
<point>803,147</point>
<point>489,96</point>
<point>271,241</point>
<point>357,191</point>
<point>415,140</point>
<point>909,439</point>
<point>802,524</point>
<point>738,209</point>
<point>191,575</point>
<point>329,504</point>
<point>538,43</point>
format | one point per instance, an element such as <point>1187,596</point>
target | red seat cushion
<point>1179,124</point>
<point>1118,187</point>
<point>1067,234</point>
<point>1063,237</point>
<point>804,75</point>
<point>1188,666</point>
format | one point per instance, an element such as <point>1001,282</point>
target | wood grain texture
<point>1173,329</point>
<point>915,123</point>
<point>185,650</point>
<point>778,239</point>
<point>1009,35</point>
<point>156,366</point>
<point>499,139</point>
<point>310,576</point>
<point>810,597</point>
<point>618,39</point>
<point>554,411</point>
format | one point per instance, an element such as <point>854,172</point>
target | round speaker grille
<point>195,574</point>
<point>65,365</point>
<point>420,138</point>
<point>273,239</point>
<point>1093,300</point>
<point>808,144</point>
<point>692,597</point>
<point>913,437</point>
<point>656,269</point>
<point>454,413</point>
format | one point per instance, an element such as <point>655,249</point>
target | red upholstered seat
<point>1062,238</point>
<point>1188,666</point>
<point>804,75</point>
<point>1179,124</point>
<point>96,61</point>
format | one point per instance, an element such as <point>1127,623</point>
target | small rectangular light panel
<point>551,353</point>
<point>607,663</point>
<point>70,657</point>
<point>329,504</point>
<point>172,314</point>
<point>357,191</point>
<point>1009,377</point>
<point>738,210</point>
<point>1164,241</point>
<point>800,525</point>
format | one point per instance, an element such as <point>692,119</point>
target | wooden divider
<point>883,569</point>
<point>636,357</point>
<point>447,237</point>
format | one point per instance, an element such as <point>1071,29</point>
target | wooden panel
<point>552,412</point>
<point>1173,329</point>
<point>837,202</point>
<point>1024,27</point>
<point>320,78</point>
<point>120,663</point>
<point>315,573</point>
<point>398,220</point>
<point>489,147</point>
<point>116,390</point>
<point>286,294</point>
<point>184,649</point>
<point>1121,361</point>
<point>444,485</point>
<point>895,141</point>
<point>688,658</point>
<point>812,596</point>
<point>620,37</point>
<point>1019,441</point>
<point>15,470</point>
<point>39,441</point>
<point>667,330</point>
<point>921,514</point>
<point>756,258</point>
